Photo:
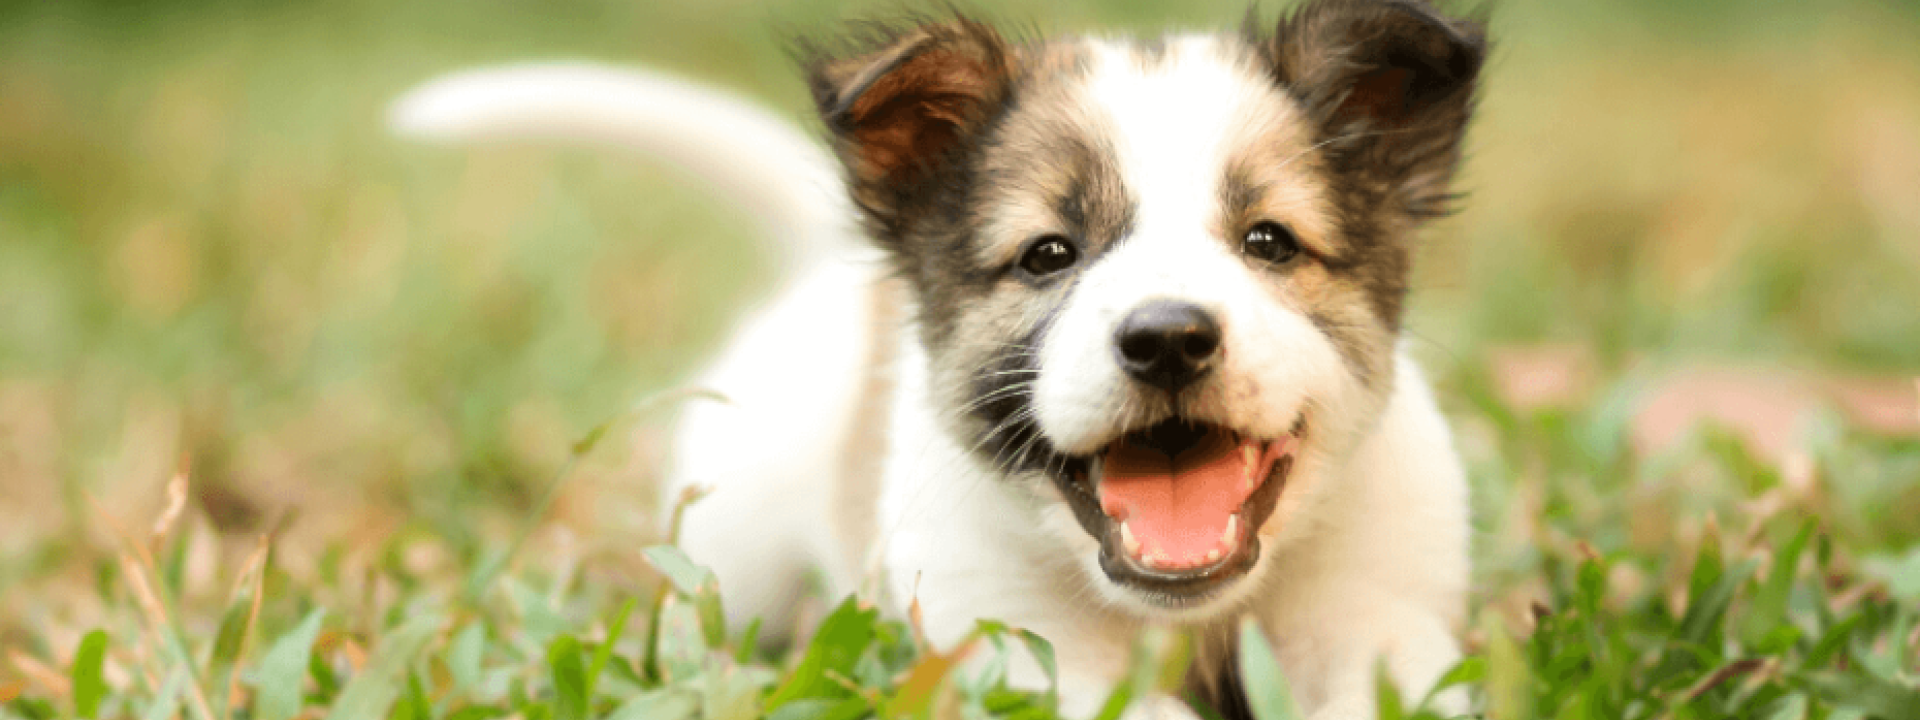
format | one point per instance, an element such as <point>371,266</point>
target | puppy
<point>1084,334</point>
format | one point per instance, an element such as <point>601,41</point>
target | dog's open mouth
<point>1175,505</point>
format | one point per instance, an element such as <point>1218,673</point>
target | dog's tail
<point>744,151</point>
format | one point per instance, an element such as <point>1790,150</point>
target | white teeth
<point>1251,456</point>
<point>1213,556</point>
<point>1128,542</point>
<point>1231,534</point>
<point>1155,558</point>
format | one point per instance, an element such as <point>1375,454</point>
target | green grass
<point>215,265</point>
<point>1770,619</point>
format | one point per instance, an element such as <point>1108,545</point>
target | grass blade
<point>842,638</point>
<point>604,654</point>
<point>570,686</point>
<point>1267,693</point>
<point>280,675</point>
<point>372,692</point>
<point>166,703</point>
<point>89,676</point>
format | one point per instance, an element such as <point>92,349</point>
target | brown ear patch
<point>899,109</point>
<point>919,110</point>
<point>1380,94</point>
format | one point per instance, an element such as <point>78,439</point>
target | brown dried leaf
<point>52,681</point>
<point>176,500</point>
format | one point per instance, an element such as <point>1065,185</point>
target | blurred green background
<point>211,249</point>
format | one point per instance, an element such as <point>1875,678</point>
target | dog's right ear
<point>902,104</point>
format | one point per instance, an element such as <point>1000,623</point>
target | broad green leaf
<point>1900,573</point>
<point>1875,697</point>
<point>1117,701</point>
<point>838,644</point>
<point>1386,696</point>
<point>166,703</point>
<point>372,692</point>
<point>1042,652</point>
<point>33,708</point>
<point>464,656</point>
<point>414,705</point>
<point>713,618</point>
<point>282,671</point>
<point>1767,607</point>
<point>729,694</point>
<point>569,675</point>
<point>749,641</point>
<point>667,704</point>
<point>1791,707</point>
<point>1469,671</point>
<point>233,632</point>
<point>89,678</point>
<point>1509,682</point>
<point>679,569</point>
<point>1708,567</point>
<point>324,678</point>
<point>822,709</point>
<point>1834,641</point>
<point>1268,695</point>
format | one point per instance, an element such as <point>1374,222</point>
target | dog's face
<point>1159,282</point>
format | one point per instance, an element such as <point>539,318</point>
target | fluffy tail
<point>745,152</point>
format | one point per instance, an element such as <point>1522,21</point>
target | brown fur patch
<point>901,104</point>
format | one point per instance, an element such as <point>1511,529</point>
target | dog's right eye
<point>1271,242</point>
<point>1047,255</point>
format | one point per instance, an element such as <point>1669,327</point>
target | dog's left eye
<point>1271,242</point>
<point>1048,255</point>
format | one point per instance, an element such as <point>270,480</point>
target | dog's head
<point>1159,282</point>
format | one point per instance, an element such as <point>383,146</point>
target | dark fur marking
<point>1350,342</point>
<point>1390,85</point>
<point>1217,685</point>
<point>1009,436</point>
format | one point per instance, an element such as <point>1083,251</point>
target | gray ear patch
<point>1390,83</point>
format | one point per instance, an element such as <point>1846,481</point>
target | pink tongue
<point>1177,507</point>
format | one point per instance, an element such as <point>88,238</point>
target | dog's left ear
<point>1390,85</point>
<point>901,104</point>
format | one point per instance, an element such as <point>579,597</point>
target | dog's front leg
<point>1333,659</point>
<point>964,566</point>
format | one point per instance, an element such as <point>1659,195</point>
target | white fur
<point>1173,126</point>
<point>1371,565</point>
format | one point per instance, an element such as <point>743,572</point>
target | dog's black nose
<point>1167,343</point>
